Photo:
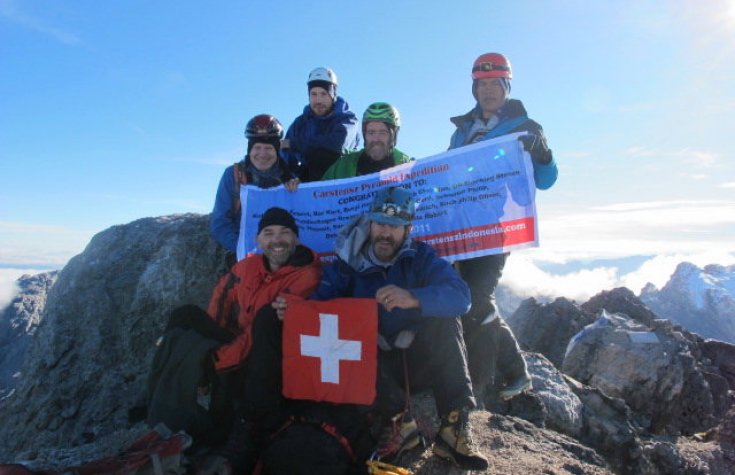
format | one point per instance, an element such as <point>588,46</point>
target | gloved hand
<point>215,465</point>
<point>535,145</point>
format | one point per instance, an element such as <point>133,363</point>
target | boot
<point>516,387</point>
<point>454,442</point>
<point>400,434</point>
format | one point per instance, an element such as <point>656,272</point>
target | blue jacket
<point>333,134</point>
<point>513,118</point>
<point>417,268</point>
<point>224,222</point>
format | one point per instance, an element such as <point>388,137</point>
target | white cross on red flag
<point>330,350</point>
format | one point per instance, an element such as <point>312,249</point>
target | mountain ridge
<point>87,366</point>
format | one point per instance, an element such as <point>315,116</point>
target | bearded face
<point>278,244</point>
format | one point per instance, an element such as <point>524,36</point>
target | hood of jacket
<point>353,242</point>
<point>511,108</point>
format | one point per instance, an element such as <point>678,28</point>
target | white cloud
<point>700,158</point>
<point>27,244</point>
<point>730,184</point>
<point>523,275</point>
<point>10,11</point>
<point>526,279</point>
<point>673,231</point>
<point>635,229</point>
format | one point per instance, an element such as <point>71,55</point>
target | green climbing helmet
<point>382,112</point>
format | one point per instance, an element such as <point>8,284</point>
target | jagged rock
<point>18,323</point>
<point>653,371</point>
<point>513,445</point>
<point>547,329</point>
<point>562,407</point>
<point>722,356</point>
<point>90,358</point>
<point>701,300</point>
<point>608,425</point>
<point>620,300</point>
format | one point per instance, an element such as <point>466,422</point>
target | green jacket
<point>346,166</point>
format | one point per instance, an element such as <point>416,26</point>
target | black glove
<point>535,145</point>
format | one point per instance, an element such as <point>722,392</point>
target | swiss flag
<point>330,350</point>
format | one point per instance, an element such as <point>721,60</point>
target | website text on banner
<point>471,201</point>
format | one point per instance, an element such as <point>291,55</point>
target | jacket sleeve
<point>223,226</point>
<point>333,284</point>
<point>292,156</point>
<point>444,293</point>
<point>544,175</point>
<point>305,282</point>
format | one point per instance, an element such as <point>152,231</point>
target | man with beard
<point>380,124</point>
<point>495,359</point>
<point>197,374</point>
<point>326,130</point>
<point>420,298</point>
<point>284,266</point>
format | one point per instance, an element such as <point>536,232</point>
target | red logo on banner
<point>330,350</point>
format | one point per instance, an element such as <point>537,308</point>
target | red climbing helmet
<point>264,126</point>
<point>491,65</point>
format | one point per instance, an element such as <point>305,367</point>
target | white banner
<point>471,201</point>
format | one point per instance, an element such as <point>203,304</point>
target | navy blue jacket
<point>312,137</point>
<point>418,269</point>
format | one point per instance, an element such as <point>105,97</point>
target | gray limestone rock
<point>18,323</point>
<point>547,328</point>
<point>653,370</point>
<point>89,360</point>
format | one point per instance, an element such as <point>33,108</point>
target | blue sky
<point>114,111</point>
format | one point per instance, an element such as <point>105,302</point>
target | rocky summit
<point>700,299</point>
<point>616,389</point>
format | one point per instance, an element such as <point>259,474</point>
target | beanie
<point>280,217</point>
<point>326,85</point>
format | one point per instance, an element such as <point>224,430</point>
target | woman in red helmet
<point>493,353</point>
<point>261,167</point>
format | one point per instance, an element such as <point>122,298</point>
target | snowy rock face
<point>89,359</point>
<point>701,300</point>
<point>18,322</point>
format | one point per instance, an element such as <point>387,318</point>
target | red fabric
<point>346,370</point>
<point>257,286</point>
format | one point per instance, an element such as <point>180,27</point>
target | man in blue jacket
<point>325,131</point>
<point>421,298</point>
<point>491,345</point>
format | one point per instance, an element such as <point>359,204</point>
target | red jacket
<point>255,287</point>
